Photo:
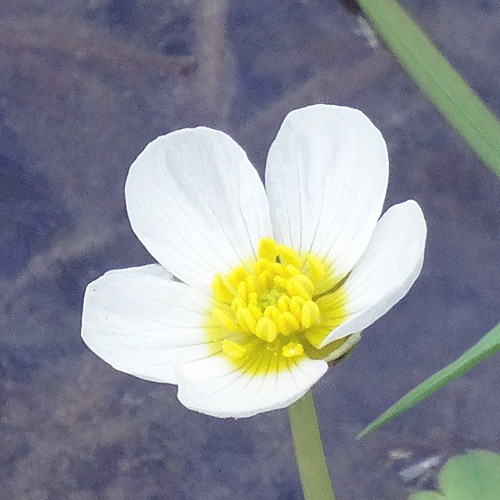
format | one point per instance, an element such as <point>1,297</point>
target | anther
<point>242,291</point>
<point>264,280</point>
<point>316,268</point>
<point>310,314</point>
<point>237,274</point>
<point>316,335</point>
<point>256,312</point>
<point>220,289</point>
<point>272,312</point>
<point>292,270</point>
<point>224,320</point>
<point>296,304</point>
<point>266,329</point>
<point>246,319</point>
<point>233,349</point>
<point>289,256</point>
<point>287,323</point>
<point>237,303</point>
<point>300,285</point>
<point>251,285</point>
<point>280,281</point>
<point>268,249</point>
<point>260,265</point>
<point>284,303</point>
<point>253,298</point>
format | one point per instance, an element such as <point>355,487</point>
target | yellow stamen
<point>268,312</point>
<point>280,281</point>
<point>272,312</point>
<point>296,304</point>
<point>256,312</point>
<point>253,298</point>
<point>233,349</point>
<point>292,270</point>
<point>310,314</point>
<point>316,268</point>
<point>300,285</point>
<point>268,249</point>
<point>284,303</point>
<point>220,289</point>
<point>266,329</point>
<point>287,323</point>
<point>236,304</point>
<point>260,265</point>
<point>224,320</point>
<point>242,291</point>
<point>289,256</point>
<point>315,336</point>
<point>264,280</point>
<point>246,319</point>
<point>237,274</point>
<point>251,285</point>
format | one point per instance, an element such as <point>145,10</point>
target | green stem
<point>309,450</point>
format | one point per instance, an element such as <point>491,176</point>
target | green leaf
<point>463,109</point>
<point>474,476</point>
<point>488,345</point>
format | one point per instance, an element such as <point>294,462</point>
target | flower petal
<point>143,323</point>
<point>213,386</point>
<point>197,204</point>
<point>386,271</point>
<point>326,180</point>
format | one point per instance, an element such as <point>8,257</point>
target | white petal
<point>143,323</point>
<point>326,180</point>
<point>387,269</point>
<point>213,386</point>
<point>197,204</point>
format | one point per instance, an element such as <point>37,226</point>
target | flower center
<point>270,310</point>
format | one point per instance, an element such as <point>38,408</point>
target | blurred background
<point>84,86</point>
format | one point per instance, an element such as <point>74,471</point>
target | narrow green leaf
<point>488,345</point>
<point>437,78</point>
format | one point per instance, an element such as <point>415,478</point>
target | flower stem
<point>309,450</point>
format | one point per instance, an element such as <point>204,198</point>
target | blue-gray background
<point>84,86</point>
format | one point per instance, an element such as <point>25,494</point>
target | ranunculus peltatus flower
<point>255,290</point>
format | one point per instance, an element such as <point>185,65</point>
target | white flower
<point>270,285</point>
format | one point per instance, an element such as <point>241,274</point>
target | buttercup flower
<point>255,290</point>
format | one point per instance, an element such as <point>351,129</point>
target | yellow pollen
<point>292,349</point>
<point>268,313</point>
